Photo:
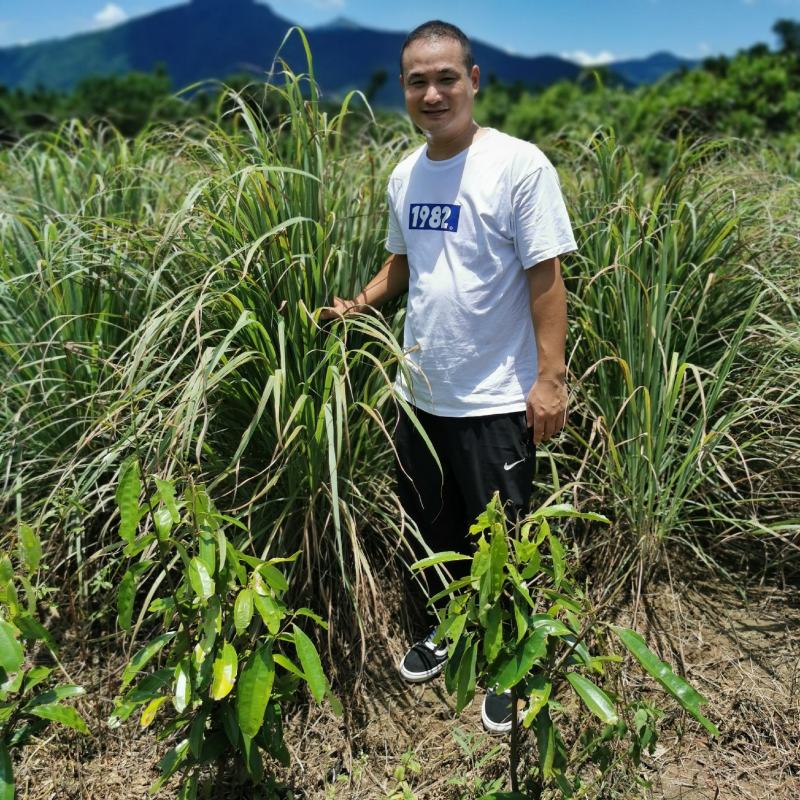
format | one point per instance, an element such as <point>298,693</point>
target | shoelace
<point>439,649</point>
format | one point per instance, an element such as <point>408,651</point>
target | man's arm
<point>546,404</point>
<point>391,281</point>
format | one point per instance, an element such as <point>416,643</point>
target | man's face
<point>438,90</point>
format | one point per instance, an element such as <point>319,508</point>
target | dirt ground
<point>401,741</point>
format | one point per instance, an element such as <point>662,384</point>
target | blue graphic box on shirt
<point>433,217</point>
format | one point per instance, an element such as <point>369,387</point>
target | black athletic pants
<point>479,455</point>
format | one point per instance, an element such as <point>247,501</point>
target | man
<point>476,227</point>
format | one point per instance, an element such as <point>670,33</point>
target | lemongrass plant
<point>670,323</point>
<point>220,359</point>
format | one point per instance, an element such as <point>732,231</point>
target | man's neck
<point>439,150</point>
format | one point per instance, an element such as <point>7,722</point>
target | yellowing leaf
<point>225,667</point>
<point>150,711</point>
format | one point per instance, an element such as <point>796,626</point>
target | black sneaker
<point>424,660</point>
<point>496,712</point>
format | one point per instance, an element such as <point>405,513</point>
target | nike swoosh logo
<point>510,466</point>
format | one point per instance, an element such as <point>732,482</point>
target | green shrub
<point>29,698</point>
<point>231,652</point>
<point>521,621</point>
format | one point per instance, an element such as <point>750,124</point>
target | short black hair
<point>436,29</point>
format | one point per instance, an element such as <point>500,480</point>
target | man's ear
<point>475,77</point>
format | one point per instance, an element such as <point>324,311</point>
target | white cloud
<point>704,48</point>
<point>110,14</point>
<point>586,59</point>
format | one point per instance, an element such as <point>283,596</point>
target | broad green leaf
<point>207,551</point>
<point>685,694</point>
<point>140,660</point>
<point>183,686</point>
<point>553,627</point>
<point>312,666</point>
<point>64,715</point>
<point>307,612</point>
<point>440,558</point>
<point>269,612</point>
<point>243,610</point>
<point>212,618</point>
<point>289,666</point>
<point>35,676</point>
<point>579,655</point>
<point>127,496</point>
<point>519,584</point>
<point>162,521</point>
<point>201,580</point>
<point>126,595</point>
<point>254,690</point>
<point>222,547</point>
<point>546,742</point>
<point>274,577</point>
<point>6,570</point>
<point>30,548</point>
<point>451,670</point>
<point>466,678</point>
<point>493,635</point>
<point>516,667</point>
<point>258,584</point>
<point>6,774</point>
<point>197,733</point>
<point>538,689</point>
<point>481,560</point>
<point>166,491</point>
<point>151,709</point>
<point>597,701</point>
<point>54,695</point>
<point>11,655</point>
<point>444,627</point>
<point>499,555</point>
<point>225,666</point>
<point>150,687</point>
<point>520,620</point>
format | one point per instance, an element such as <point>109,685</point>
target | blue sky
<point>584,30</point>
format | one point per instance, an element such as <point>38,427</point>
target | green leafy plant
<point>231,652</point>
<point>521,622</point>
<point>29,701</point>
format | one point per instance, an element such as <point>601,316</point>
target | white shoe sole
<point>421,677</point>
<point>498,728</point>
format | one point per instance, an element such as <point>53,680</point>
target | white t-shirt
<point>470,225</point>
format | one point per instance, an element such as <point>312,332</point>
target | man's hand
<point>339,308</point>
<point>546,408</point>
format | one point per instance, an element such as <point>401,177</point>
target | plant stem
<point>514,755</point>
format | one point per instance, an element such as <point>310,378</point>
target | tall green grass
<point>685,354</point>
<point>159,294</point>
<point>174,312</point>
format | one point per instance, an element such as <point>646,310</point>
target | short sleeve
<point>539,217</point>
<point>395,243</point>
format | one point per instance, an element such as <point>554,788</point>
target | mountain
<point>650,69</point>
<point>205,39</point>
